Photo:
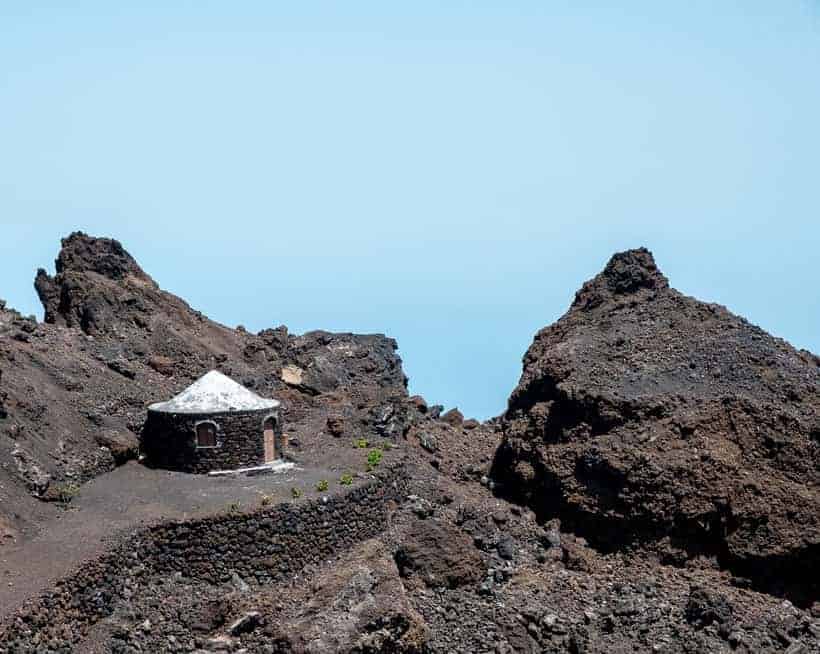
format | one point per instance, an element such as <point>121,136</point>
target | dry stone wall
<point>265,546</point>
<point>169,441</point>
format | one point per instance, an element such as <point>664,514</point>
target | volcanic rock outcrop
<point>645,419</point>
<point>75,387</point>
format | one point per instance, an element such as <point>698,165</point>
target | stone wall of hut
<point>169,441</point>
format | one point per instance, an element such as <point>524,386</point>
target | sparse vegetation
<point>267,500</point>
<point>322,485</point>
<point>295,493</point>
<point>67,492</point>
<point>360,443</point>
<point>346,479</point>
<point>233,507</point>
<point>374,458</point>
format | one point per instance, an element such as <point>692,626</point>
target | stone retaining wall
<point>265,546</point>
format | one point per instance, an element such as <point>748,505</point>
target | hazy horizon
<point>448,176</point>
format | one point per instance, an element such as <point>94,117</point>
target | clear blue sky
<point>445,173</point>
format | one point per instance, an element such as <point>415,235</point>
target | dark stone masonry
<point>214,424</point>
<point>266,546</point>
<point>169,440</point>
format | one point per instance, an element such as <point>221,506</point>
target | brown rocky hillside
<point>74,389</point>
<point>652,487</point>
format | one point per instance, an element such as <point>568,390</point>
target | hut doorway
<point>273,448</point>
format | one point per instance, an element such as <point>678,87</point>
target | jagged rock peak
<point>626,273</point>
<point>638,412</point>
<point>105,256</point>
<point>98,284</point>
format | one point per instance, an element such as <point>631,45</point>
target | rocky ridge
<point>632,498</point>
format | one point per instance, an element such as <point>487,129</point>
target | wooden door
<point>270,441</point>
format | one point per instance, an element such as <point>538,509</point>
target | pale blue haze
<point>445,173</point>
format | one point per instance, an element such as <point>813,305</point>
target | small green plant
<point>266,500</point>
<point>374,458</point>
<point>346,479</point>
<point>295,493</point>
<point>233,507</point>
<point>322,485</point>
<point>360,443</point>
<point>67,492</point>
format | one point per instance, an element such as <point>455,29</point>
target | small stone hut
<point>214,424</point>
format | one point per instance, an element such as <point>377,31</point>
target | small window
<point>206,434</point>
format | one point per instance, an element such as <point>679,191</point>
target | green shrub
<point>374,458</point>
<point>360,443</point>
<point>67,492</point>
<point>322,485</point>
<point>295,493</point>
<point>346,479</point>
<point>233,507</point>
<point>266,500</point>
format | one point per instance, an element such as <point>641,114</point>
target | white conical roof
<point>214,393</point>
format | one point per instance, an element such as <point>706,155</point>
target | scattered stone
<point>453,417</point>
<point>549,621</point>
<point>435,411</point>
<point>336,426</point>
<point>500,517</point>
<point>471,424</point>
<point>292,375</point>
<point>419,403</point>
<point>238,583</point>
<point>423,508</point>
<point>220,644</point>
<point>162,364</point>
<point>441,554</point>
<point>245,624</point>
<point>506,547</point>
<point>705,607</point>
<point>428,442</point>
<point>121,367</point>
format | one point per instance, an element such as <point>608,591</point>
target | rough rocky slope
<point>457,570</point>
<point>634,498</point>
<point>647,419</point>
<point>73,390</point>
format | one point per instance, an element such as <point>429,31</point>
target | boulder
<point>356,605</point>
<point>438,553</point>
<point>705,607</point>
<point>161,364</point>
<point>123,444</point>
<point>453,417</point>
<point>419,403</point>
<point>335,426</point>
<point>245,623</point>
